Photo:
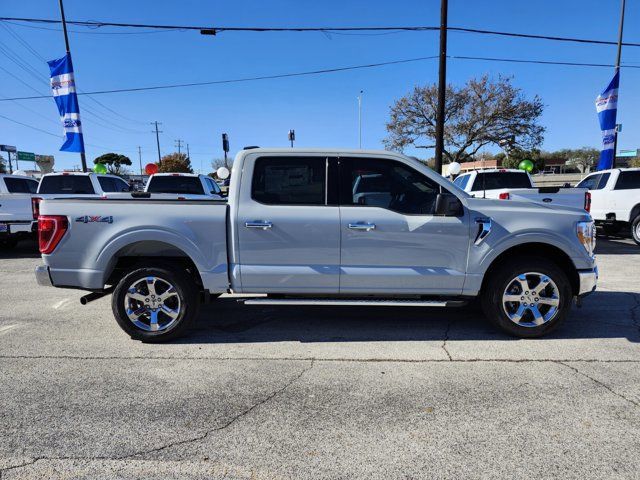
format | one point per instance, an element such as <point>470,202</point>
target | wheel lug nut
<point>536,299</point>
<point>521,298</point>
<point>527,292</point>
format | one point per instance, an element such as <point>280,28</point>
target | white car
<point>190,186</point>
<point>511,184</point>
<point>615,199</point>
<point>16,216</point>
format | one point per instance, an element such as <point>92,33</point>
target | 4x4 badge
<point>94,218</point>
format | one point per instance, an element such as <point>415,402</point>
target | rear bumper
<point>588,281</point>
<point>43,277</point>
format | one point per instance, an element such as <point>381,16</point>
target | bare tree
<point>480,113</point>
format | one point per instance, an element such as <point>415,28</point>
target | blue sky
<point>323,108</point>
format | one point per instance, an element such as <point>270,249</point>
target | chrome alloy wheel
<point>152,304</point>
<point>531,299</point>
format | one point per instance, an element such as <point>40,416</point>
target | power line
<point>417,28</point>
<point>324,71</point>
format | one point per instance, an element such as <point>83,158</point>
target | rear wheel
<point>635,229</point>
<point>528,298</point>
<point>155,304</point>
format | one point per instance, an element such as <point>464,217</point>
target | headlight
<point>586,232</point>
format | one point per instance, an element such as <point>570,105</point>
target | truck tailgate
<point>15,207</point>
<point>565,197</point>
<point>102,230</point>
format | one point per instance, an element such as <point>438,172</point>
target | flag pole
<point>442,86</point>
<point>620,28</point>
<point>83,157</point>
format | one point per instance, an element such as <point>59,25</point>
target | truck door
<point>392,243</point>
<point>288,230</point>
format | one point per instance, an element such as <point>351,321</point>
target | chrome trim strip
<point>42,276</point>
<point>346,302</point>
<point>484,229</point>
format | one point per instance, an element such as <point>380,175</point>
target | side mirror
<point>448,205</point>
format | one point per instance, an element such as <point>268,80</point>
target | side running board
<point>354,302</point>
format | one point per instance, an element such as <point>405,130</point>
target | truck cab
<point>187,185</point>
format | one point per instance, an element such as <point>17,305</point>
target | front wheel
<point>527,298</point>
<point>635,229</point>
<point>155,304</point>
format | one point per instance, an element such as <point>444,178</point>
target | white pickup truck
<point>189,186</point>
<point>615,199</point>
<point>300,227</point>
<point>16,216</point>
<point>510,184</point>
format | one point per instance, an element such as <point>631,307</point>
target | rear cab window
<point>66,185</point>
<point>110,184</point>
<point>21,185</point>
<point>290,180</point>
<point>498,180</point>
<point>176,184</point>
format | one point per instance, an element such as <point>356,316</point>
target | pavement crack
<point>601,384</point>
<point>446,339</point>
<point>25,464</point>
<point>230,422</point>
<point>634,310</point>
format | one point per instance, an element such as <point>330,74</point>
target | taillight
<point>504,196</point>
<point>35,207</point>
<point>587,201</point>
<point>51,229</point>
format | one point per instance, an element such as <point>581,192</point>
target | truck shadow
<point>603,315</point>
<point>24,249</point>
<point>616,245</point>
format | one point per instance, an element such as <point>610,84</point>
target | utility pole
<point>442,86</point>
<point>225,148</point>
<point>360,119</point>
<point>620,28</point>
<point>140,159</point>
<point>292,137</point>
<point>179,145</point>
<point>83,157</point>
<point>188,155</point>
<point>158,140</point>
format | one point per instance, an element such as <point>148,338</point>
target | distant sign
<point>629,153</point>
<point>27,156</point>
<point>7,148</point>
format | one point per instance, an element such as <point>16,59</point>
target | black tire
<point>612,229</point>
<point>635,229</point>
<point>503,277</point>
<point>185,291</point>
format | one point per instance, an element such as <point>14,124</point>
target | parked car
<point>510,184</point>
<point>188,185</point>
<point>615,199</point>
<point>294,229</point>
<point>16,217</point>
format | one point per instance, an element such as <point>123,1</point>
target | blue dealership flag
<point>607,108</point>
<point>63,87</point>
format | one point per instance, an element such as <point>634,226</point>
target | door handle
<point>263,224</point>
<point>362,226</point>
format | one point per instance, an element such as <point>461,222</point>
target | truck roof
<point>80,174</point>
<point>330,151</point>
<point>609,170</point>
<point>178,174</point>
<point>494,170</point>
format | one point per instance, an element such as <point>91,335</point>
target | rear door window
<point>462,181</point>
<point>66,185</point>
<point>591,182</point>
<point>290,180</point>
<point>498,180</point>
<point>628,180</point>
<point>106,184</point>
<point>176,184</point>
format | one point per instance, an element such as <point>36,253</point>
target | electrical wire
<point>329,70</point>
<point>97,24</point>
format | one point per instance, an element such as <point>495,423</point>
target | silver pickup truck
<point>299,227</point>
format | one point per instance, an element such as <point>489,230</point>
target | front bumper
<point>43,277</point>
<point>588,281</point>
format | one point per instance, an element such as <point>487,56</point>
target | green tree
<point>482,112</point>
<point>114,162</point>
<point>635,162</point>
<point>517,155</point>
<point>3,166</point>
<point>584,158</point>
<point>175,162</point>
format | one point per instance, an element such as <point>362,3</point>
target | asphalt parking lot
<point>286,392</point>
